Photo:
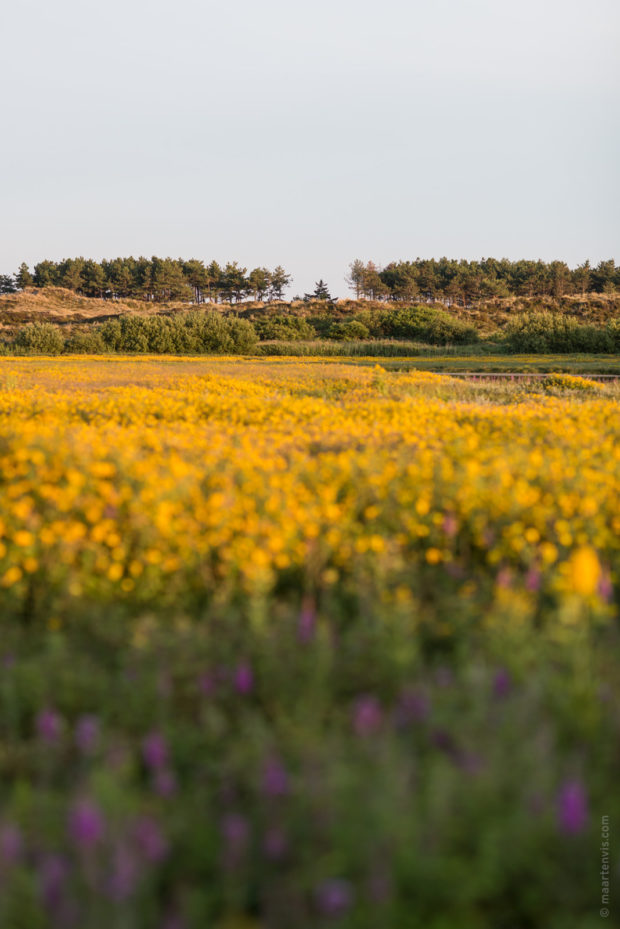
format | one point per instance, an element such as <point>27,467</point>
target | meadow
<point>305,642</point>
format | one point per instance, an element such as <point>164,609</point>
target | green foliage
<point>463,282</point>
<point>39,339</point>
<point>350,330</point>
<point>426,324</point>
<point>85,343</point>
<point>23,278</point>
<point>555,332</point>
<point>194,332</point>
<point>157,279</point>
<point>290,328</point>
<point>7,284</point>
<point>613,334</point>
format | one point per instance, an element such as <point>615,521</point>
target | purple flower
<point>504,578</point>
<point>48,725</point>
<point>11,844</point>
<point>334,897</point>
<point>87,732</point>
<point>307,622</point>
<point>367,716</point>
<point>533,580</point>
<point>605,587</point>
<point>413,706</point>
<point>124,875</point>
<point>52,876</point>
<point>572,808</point>
<point>502,683</point>
<point>275,779</point>
<point>164,782</point>
<point>207,684</point>
<point>154,750</point>
<point>86,824</point>
<point>444,741</point>
<point>243,678</point>
<point>235,832</point>
<point>275,844</point>
<point>150,840</point>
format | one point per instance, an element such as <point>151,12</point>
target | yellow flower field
<point>287,642</point>
<point>144,479</point>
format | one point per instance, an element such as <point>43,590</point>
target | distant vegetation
<point>186,307</point>
<point>449,280</point>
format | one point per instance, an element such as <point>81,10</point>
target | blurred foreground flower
<point>572,808</point>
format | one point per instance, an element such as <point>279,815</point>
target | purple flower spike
<point>533,580</point>
<point>164,782</point>
<point>243,678</point>
<point>124,875</point>
<point>236,836</point>
<point>367,716</point>
<point>334,897</point>
<point>413,706</point>
<point>502,683</point>
<point>48,725</point>
<point>275,779</point>
<point>52,876</point>
<point>275,844</point>
<point>307,622</point>
<point>86,824</point>
<point>155,751</point>
<point>87,732</point>
<point>11,844</point>
<point>149,839</point>
<point>572,808</point>
<point>605,587</point>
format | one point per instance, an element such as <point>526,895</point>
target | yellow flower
<point>585,571</point>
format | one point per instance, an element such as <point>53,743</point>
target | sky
<point>310,134</point>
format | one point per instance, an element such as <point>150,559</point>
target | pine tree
<point>321,292</point>
<point>279,280</point>
<point>7,284</point>
<point>23,278</point>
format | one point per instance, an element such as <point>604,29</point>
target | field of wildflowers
<point>302,643</point>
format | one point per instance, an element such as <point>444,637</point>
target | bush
<point>111,334</point>
<point>195,332</point>
<point>426,324</point>
<point>351,330</point>
<point>285,328</point>
<point>613,334</point>
<point>85,343</point>
<point>553,332</point>
<point>40,339</point>
<point>243,335</point>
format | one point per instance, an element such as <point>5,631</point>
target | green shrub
<point>243,335</point>
<point>286,328</point>
<point>40,339</point>
<point>351,330</point>
<point>85,343</point>
<point>426,324</point>
<point>111,334</point>
<point>613,334</point>
<point>554,332</point>
<point>195,332</point>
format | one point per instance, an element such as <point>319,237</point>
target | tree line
<point>450,281</point>
<point>465,282</point>
<point>153,279</point>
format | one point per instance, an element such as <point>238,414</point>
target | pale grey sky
<point>310,134</point>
